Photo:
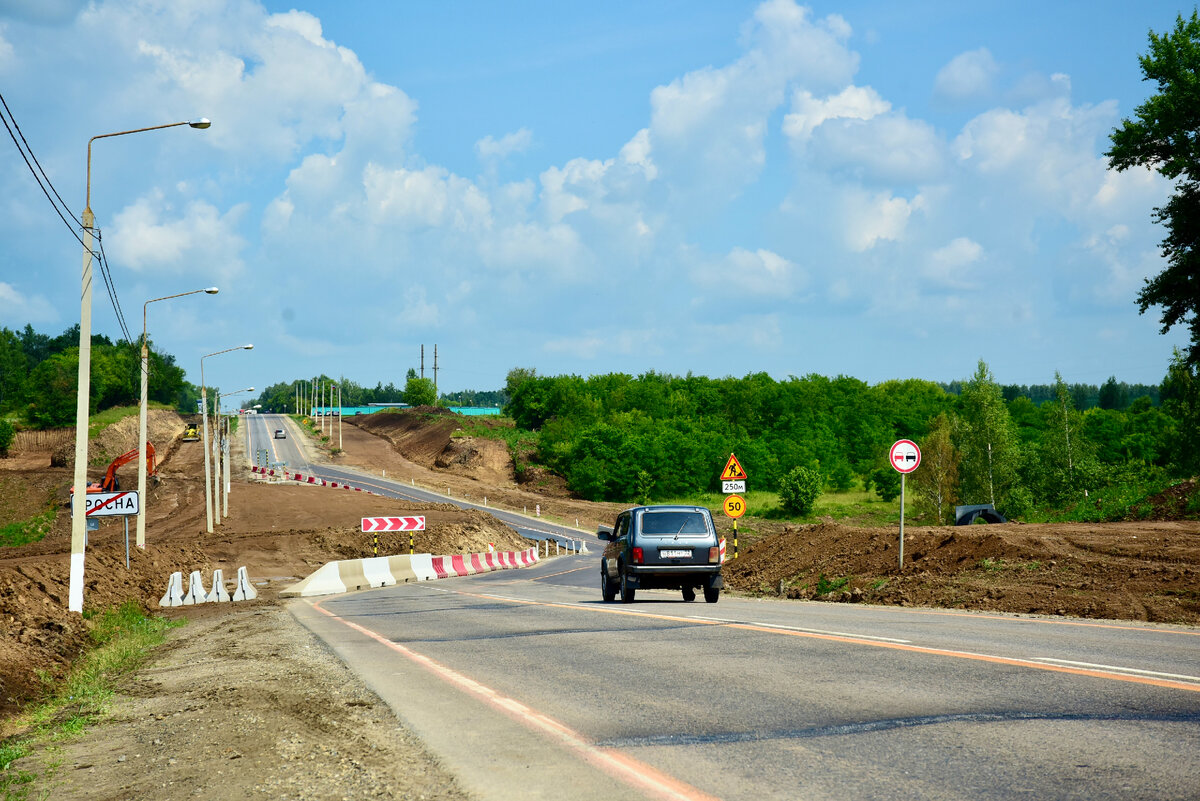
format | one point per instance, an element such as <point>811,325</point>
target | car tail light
<point>638,557</point>
<point>714,555</point>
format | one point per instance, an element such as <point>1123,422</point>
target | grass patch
<point>828,585</point>
<point>23,532</point>
<point>853,507</point>
<point>123,638</point>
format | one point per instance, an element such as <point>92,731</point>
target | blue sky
<point>865,188</point>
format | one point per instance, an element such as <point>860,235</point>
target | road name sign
<point>735,506</point>
<point>733,470</point>
<point>416,523</point>
<point>728,487</point>
<point>111,504</point>
<point>905,456</point>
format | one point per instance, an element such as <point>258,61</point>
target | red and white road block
<point>348,575</point>
<point>410,523</point>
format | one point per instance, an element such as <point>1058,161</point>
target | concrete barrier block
<point>174,595</point>
<point>195,592</point>
<point>244,591</point>
<point>422,566</point>
<point>218,593</point>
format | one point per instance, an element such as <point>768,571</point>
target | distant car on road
<point>280,434</point>
<point>661,547</point>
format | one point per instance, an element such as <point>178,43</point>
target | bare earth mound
<point>1132,571</point>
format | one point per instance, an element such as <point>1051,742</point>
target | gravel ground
<point>243,702</point>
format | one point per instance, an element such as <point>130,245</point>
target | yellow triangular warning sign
<point>733,470</point>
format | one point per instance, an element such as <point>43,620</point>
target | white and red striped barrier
<point>348,575</point>
<point>303,479</point>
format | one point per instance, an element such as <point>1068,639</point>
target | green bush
<point>799,489</point>
<point>6,436</point>
<point>887,483</point>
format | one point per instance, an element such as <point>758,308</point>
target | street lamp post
<point>145,380</point>
<point>83,386</point>
<point>223,449</point>
<point>208,499</point>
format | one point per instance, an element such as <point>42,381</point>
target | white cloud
<point>707,127</point>
<point>968,76</point>
<point>869,218</point>
<point>24,308</point>
<point>518,141</point>
<point>853,102</point>
<point>146,237</point>
<point>8,56</point>
<point>889,148</point>
<point>431,197</point>
<point>948,264</point>
<point>751,272</point>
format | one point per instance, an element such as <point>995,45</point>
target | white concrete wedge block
<point>218,593</point>
<point>244,591</point>
<point>195,593</point>
<point>174,596</point>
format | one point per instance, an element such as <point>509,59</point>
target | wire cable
<point>112,289</point>
<point>27,155</point>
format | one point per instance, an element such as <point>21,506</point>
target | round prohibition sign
<point>905,456</point>
<point>735,506</point>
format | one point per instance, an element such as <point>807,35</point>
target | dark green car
<point>661,547</point>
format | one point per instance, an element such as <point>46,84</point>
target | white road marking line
<point>804,630</point>
<point>1116,668</point>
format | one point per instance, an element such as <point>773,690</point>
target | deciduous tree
<point>1165,135</point>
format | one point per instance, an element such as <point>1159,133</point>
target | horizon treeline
<point>618,437</point>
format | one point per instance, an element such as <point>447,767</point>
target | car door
<point>614,549</point>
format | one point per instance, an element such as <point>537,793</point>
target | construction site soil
<point>244,700</point>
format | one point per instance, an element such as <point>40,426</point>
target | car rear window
<point>673,523</point>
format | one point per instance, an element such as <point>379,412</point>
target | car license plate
<point>678,554</point>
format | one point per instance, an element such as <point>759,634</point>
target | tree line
<point>618,437</point>
<point>39,375</point>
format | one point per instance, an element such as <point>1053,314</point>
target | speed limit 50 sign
<point>735,506</point>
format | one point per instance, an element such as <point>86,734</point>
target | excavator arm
<point>110,482</point>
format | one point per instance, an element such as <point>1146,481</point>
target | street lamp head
<point>212,290</point>
<point>248,347</point>
<point>203,122</point>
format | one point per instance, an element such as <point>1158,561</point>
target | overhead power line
<point>61,208</point>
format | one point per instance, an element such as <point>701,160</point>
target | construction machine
<point>110,483</point>
<point>191,433</point>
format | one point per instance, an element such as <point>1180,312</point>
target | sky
<point>860,188</point>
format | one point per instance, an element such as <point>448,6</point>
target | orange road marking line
<point>620,766</point>
<point>920,649</point>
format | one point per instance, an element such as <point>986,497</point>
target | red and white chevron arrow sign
<point>394,523</point>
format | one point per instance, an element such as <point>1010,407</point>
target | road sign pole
<point>903,476</point>
<point>410,543</point>
<point>735,545</point>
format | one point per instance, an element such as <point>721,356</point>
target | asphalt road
<point>288,451</point>
<point>528,686</point>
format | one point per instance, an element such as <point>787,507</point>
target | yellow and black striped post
<point>735,546</point>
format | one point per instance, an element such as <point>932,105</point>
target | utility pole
<point>422,361</point>
<point>435,369</point>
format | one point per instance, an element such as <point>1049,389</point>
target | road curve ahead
<point>529,686</point>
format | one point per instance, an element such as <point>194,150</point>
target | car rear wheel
<point>606,586</point>
<point>711,594</point>
<point>627,592</point>
<point>689,594</point>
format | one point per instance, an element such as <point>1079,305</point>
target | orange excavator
<point>110,482</point>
